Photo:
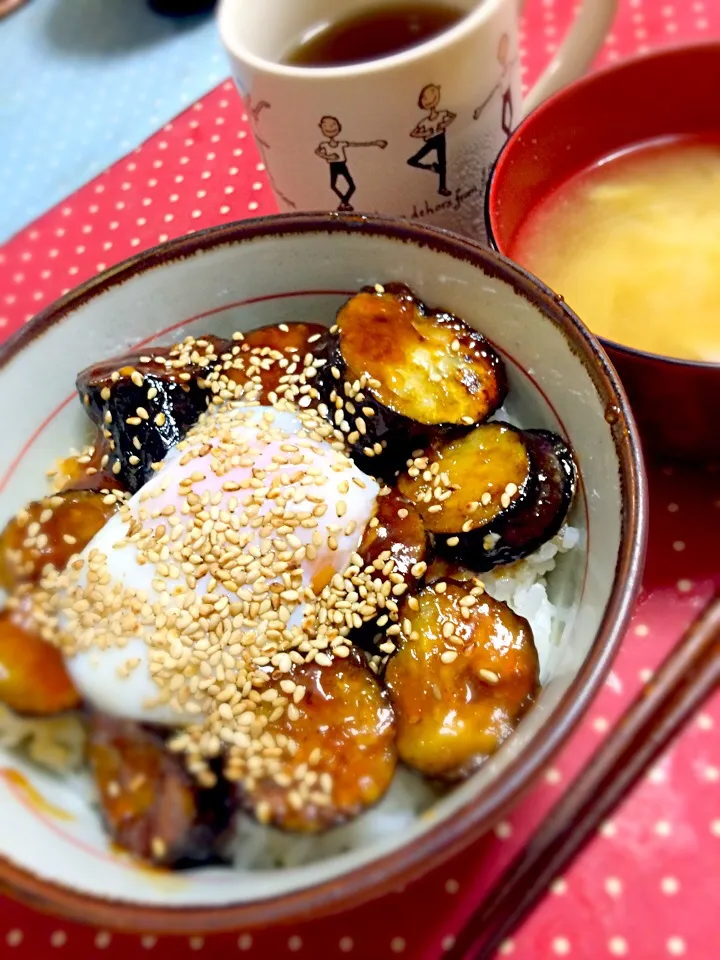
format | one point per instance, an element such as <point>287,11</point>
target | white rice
<point>261,848</point>
<point>55,743</point>
<point>523,586</point>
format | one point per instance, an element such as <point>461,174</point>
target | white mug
<point>413,134</point>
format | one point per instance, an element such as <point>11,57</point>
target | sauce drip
<point>20,784</point>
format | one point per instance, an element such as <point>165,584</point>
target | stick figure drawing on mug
<point>334,152</point>
<point>255,111</point>
<point>506,108</point>
<point>432,129</point>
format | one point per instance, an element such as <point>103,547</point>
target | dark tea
<point>370,34</point>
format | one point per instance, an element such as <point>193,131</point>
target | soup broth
<point>633,244</point>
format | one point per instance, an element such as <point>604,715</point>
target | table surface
<point>83,82</point>
<point>647,887</point>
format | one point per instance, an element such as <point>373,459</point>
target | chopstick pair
<point>689,674</point>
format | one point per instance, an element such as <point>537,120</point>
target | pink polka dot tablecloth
<point>648,886</point>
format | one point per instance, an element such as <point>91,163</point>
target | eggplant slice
<point>268,361</point>
<point>442,567</point>
<point>465,673</point>
<point>150,803</point>
<point>33,678</point>
<point>463,486</point>
<point>541,515</point>
<point>146,402</point>
<point>49,532</point>
<point>89,470</point>
<point>394,545</point>
<point>344,760</point>
<point>399,372</point>
<point>396,533</point>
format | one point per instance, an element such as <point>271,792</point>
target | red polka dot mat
<point>647,887</point>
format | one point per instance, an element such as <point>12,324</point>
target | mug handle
<point>577,52</point>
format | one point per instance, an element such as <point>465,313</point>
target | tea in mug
<point>379,31</point>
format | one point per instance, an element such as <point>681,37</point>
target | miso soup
<point>633,244</point>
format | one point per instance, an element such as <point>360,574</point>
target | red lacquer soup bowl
<point>671,93</point>
<point>235,278</point>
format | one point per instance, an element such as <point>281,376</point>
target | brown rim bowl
<point>302,267</point>
<point>665,94</point>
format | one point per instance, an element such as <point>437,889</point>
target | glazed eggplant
<point>463,486</point>
<point>394,544</point>
<point>541,515</point>
<point>145,403</point>
<point>442,567</point>
<point>150,803</point>
<point>396,533</point>
<point>49,532</point>
<point>33,678</point>
<point>399,372</point>
<point>345,759</point>
<point>267,359</point>
<point>89,470</point>
<point>465,672</point>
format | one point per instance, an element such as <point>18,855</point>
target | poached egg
<point>209,572</point>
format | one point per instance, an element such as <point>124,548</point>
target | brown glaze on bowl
<point>446,270</point>
<point>664,94</point>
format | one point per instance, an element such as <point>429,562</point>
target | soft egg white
<point>97,671</point>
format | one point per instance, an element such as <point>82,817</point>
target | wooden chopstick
<point>687,676</point>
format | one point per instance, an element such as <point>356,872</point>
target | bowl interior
<point>302,269</point>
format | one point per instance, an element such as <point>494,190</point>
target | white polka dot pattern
<point>90,80</point>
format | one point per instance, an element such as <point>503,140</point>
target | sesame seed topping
<point>158,847</point>
<point>489,676</point>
